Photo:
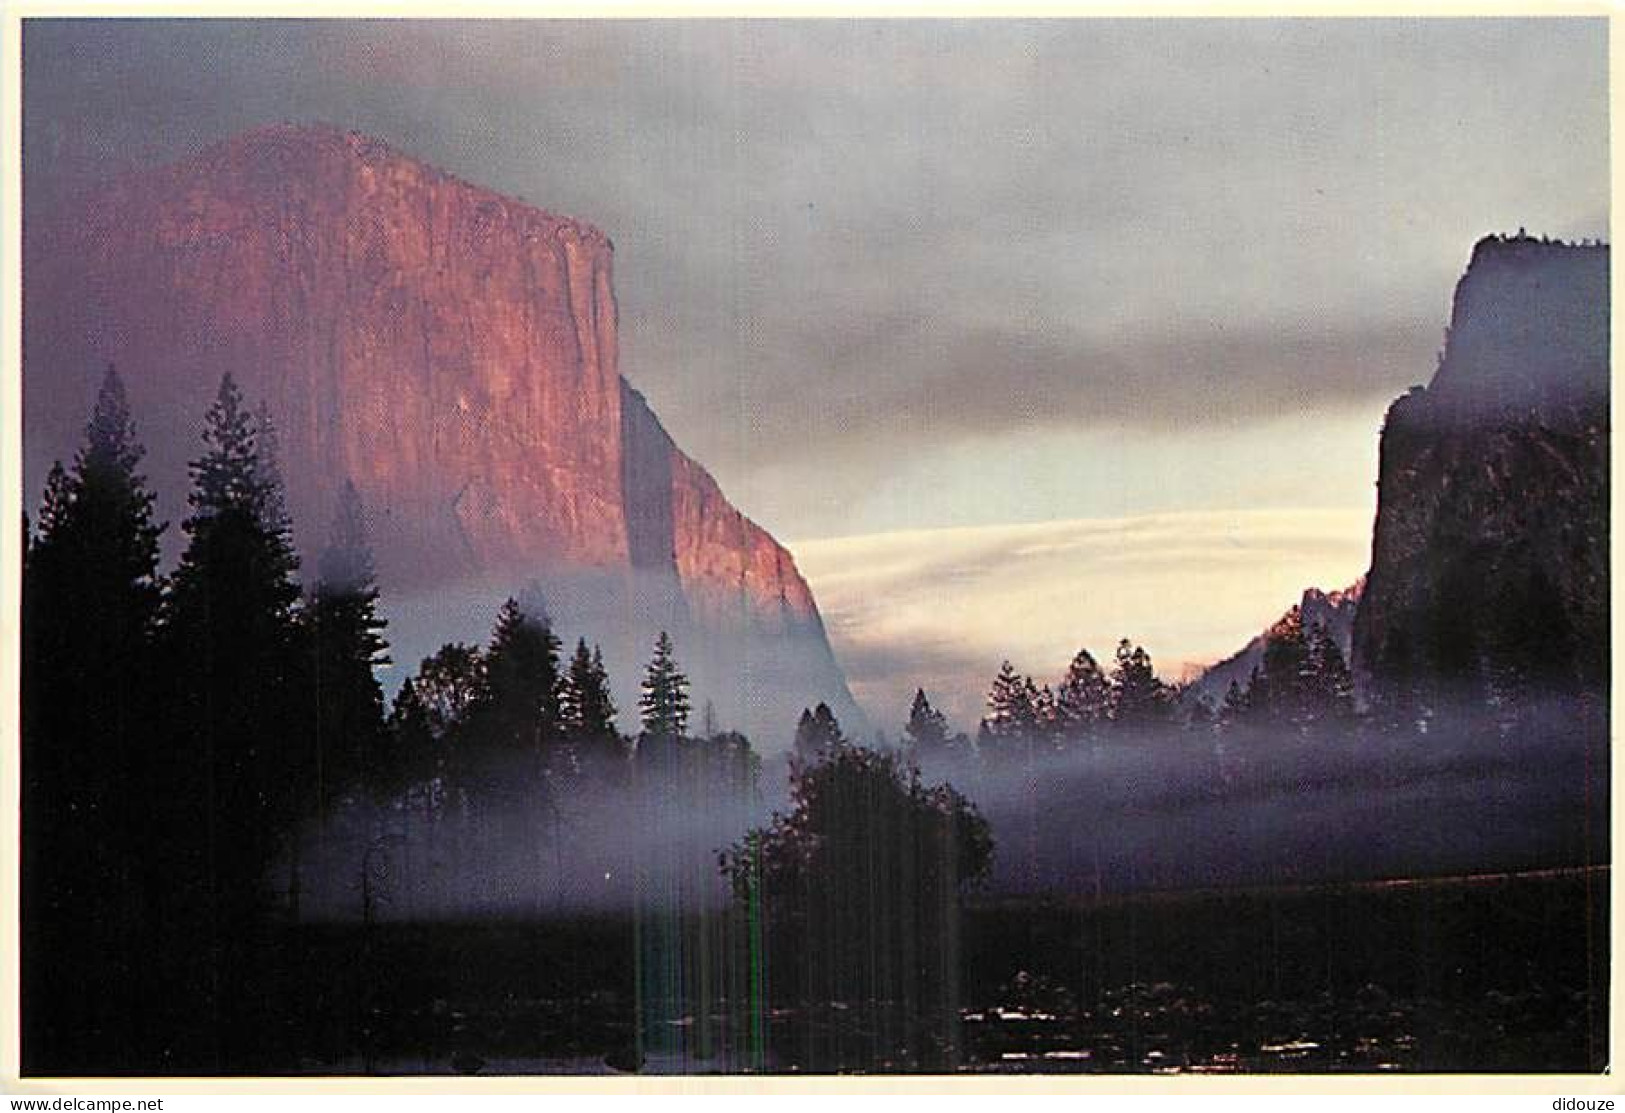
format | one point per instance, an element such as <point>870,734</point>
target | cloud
<point>946,382</point>
<point>940,609</point>
<point>839,242</point>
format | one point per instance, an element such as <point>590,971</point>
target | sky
<point>1021,335</point>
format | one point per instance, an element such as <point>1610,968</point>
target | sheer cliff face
<point>679,518</point>
<point>1490,556</point>
<point>450,350</point>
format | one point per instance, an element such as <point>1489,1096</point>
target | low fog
<point>1193,811</point>
<point>435,854</point>
<point>1175,809</point>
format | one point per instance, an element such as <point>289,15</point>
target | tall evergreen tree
<point>1333,695</point>
<point>344,644</point>
<point>89,614</point>
<point>926,733</point>
<point>233,645</point>
<point>665,702</point>
<point>597,705</point>
<point>587,710</point>
<point>414,776</point>
<point>1012,708</point>
<point>93,569</point>
<point>1083,701</point>
<point>416,755</point>
<point>93,589</point>
<point>522,676</point>
<point>1046,715</point>
<point>1139,699</point>
<point>513,759</point>
<point>1283,695</point>
<point>817,732</point>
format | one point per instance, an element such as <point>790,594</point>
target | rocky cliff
<point>1489,563</point>
<point>451,351</point>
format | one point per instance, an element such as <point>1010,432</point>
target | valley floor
<point>1489,973</point>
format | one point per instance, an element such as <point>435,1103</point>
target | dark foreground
<point>1506,973</point>
<point>1468,974</point>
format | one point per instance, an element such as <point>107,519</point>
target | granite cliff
<point>1489,566</point>
<point>451,351</point>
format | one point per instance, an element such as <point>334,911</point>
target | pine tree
<point>587,711</point>
<point>1139,699</point>
<point>344,644</point>
<point>512,759</point>
<point>818,732</point>
<point>417,756</point>
<point>234,589</point>
<point>95,556</point>
<point>91,860</point>
<point>522,677</point>
<point>1083,702</point>
<point>414,776</point>
<point>1012,713</point>
<point>664,704</point>
<point>598,706</point>
<point>1333,685</point>
<point>93,586</point>
<point>1285,698</point>
<point>926,732</point>
<point>232,640</point>
<point>1046,716</point>
<point>570,684</point>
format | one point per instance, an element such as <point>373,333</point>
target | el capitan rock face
<point>451,351</point>
<point>1489,562</point>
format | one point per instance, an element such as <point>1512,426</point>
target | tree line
<point>1301,685</point>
